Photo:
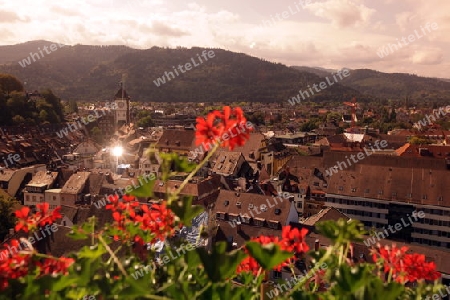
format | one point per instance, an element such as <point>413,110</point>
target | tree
<point>72,106</point>
<point>9,83</point>
<point>18,119</point>
<point>419,141</point>
<point>43,116</point>
<point>55,103</point>
<point>7,219</point>
<point>96,134</point>
<point>145,122</point>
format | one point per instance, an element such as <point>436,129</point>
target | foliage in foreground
<point>121,261</point>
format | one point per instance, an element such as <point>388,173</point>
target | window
<point>258,222</point>
<point>353,190</point>
<point>54,198</point>
<point>273,224</point>
<point>34,198</point>
<point>367,191</point>
<point>277,275</point>
<point>299,205</point>
<point>341,188</point>
<point>245,220</point>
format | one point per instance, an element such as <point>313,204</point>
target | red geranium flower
<point>404,267</point>
<point>207,130</point>
<point>229,128</point>
<point>294,239</point>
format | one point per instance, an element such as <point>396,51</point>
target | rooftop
<point>76,183</point>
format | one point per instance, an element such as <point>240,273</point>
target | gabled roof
<point>250,150</point>
<point>419,185</point>
<point>76,183</point>
<point>6,174</point>
<point>329,213</point>
<point>227,162</point>
<point>177,139</point>
<point>43,178</point>
<point>200,188</point>
<point>245,204</point>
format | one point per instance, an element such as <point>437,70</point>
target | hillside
<point>392,85</point>
<point>93,72</point>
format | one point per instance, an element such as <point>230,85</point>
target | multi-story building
<point>72,191</point>
<point>35,189</point>
<point>379,190</point>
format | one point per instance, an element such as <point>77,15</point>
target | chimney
<point>316,245</point>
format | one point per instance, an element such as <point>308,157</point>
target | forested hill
<point>392,85</point>
<point>93,72</point>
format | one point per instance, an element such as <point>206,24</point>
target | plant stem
<point>197,168</point>
<point>116,260</point>
<point>312,271</point>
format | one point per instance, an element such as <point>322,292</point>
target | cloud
<point>9,17</point>
<point>404,19</point>
<point>161,29</point>
<point>342,13</point>
<point>64,11</point>
<point>428,57</point>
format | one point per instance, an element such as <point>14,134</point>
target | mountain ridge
<point>93,72</point>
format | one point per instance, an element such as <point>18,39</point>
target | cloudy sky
<point>325,33</point>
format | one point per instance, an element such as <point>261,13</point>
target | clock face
<point>121,104</point>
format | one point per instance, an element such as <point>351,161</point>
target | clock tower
<point>122,111</point>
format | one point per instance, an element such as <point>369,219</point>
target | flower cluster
<point>42,217</point>
<point>292,240</point>
<point>404,267</point>
<point>156,219</point>
<point>225,126</point>
<point>18,264</point>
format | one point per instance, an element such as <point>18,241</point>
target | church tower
<point>122,111</point>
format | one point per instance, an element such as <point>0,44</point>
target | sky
<point>319,33</point>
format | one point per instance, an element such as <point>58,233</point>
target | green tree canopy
<point>145,122</point>
<point>9,83</point>
<point>7,219</point>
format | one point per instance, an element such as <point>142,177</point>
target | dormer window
<point>245,219</point>
<point>273,224</point>
<point>258,222</point>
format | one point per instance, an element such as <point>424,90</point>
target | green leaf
<point>220,265</point>
<point>93,252</point>
<point>184,209</point>
<point>146,188</point>
<point>342,231</point>
<point>268,256</point>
